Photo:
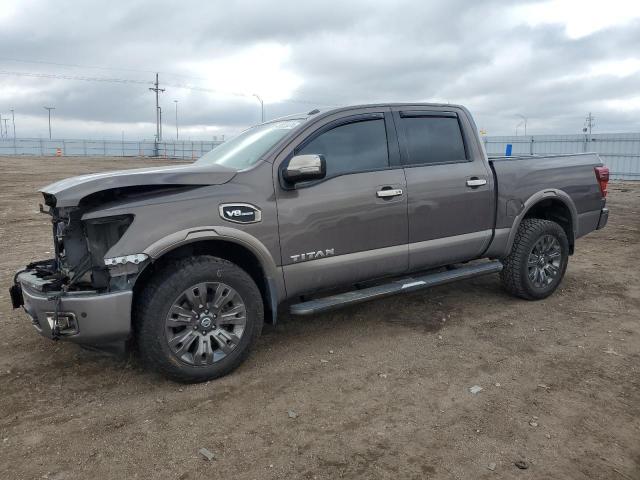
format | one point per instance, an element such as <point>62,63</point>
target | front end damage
<point>81,294</point>
<point>84,294</point>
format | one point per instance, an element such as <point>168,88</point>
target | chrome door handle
<point>391,192</point>
<point>476,182</point>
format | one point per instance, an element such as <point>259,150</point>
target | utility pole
<point>176,102</point>
<point>261,107</point>
<point>6,132</point>
<point>524,119</point>
<point>48,109</point>
<point>589,123</point>
<point>156,88</point>
<point>13,120</point>
<point>1,131</point>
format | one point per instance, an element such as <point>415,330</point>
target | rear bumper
<point>604,218</point>
<point>85,317</point>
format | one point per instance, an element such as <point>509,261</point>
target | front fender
<point>274,279</point>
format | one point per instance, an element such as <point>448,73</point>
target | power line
<point>92,67</point>
<point>85,78</point>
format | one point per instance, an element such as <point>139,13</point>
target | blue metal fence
<point>619,151</point>
<point>184,149</point>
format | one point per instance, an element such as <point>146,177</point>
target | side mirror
<point>302,168</point>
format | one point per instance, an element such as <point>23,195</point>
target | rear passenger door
<point>356,217</point>
<point>449,186</point>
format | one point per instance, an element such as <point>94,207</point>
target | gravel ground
<point>375,391</point>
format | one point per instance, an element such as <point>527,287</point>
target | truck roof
<point>318,111</point>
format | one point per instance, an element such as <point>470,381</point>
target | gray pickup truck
<point>318,211</point>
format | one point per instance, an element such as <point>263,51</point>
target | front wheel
<point>198,318</point>
<point>538,259</point>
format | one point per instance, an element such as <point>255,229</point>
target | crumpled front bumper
<point>88,317</point>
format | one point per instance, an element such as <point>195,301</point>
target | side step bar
<point>398,286</point>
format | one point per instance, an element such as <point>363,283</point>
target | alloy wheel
<point>544,261</point>
<point>205,323</point>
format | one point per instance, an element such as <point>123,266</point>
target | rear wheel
<point>538,259</point>
<point>198,318</point>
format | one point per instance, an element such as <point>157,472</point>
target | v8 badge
<point>240,212</point>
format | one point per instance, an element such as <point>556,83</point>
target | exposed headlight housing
<point>102,234</point>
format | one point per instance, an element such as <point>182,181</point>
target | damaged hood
<point>70,191</point>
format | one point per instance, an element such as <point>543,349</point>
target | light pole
<point>261,107</point>
<point>525,122</point>
<point>13,120</point>
<point>176,102</point>
<point>48,109</point>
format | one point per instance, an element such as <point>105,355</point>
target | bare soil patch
<point>560,378</point>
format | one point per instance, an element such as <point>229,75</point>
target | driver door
<point>351,225</point>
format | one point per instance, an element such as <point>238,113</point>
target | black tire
<point>159,296</point>
<point>517,271</point>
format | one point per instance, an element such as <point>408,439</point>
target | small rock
<point>533,423</point>
<point>206,454</point>
<point>382,375</point>
<point>181,390</point>
<point>611,351</point>
<point>548,436</point>
<point>497,384</point>
<point>521,464</point>
<point>475,389</point>
<point>322,360</point>
<point>292,414</point>
<point>439,337</point>
<point>331,352</point>
<point>491,466</point>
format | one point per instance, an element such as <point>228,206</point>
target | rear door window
<point>432,139</point>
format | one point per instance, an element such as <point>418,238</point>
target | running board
<point>398,286</point>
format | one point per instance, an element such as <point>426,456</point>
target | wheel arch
<point>554,205</point>
<point>242,249</point>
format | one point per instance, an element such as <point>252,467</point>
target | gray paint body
<point>438,220</point>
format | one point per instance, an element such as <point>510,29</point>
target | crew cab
<point>313,211</point>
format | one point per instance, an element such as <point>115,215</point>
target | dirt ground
<point>380,390</point>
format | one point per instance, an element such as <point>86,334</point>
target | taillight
<point>602,175</point>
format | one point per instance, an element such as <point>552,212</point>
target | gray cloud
<point>345,52</point>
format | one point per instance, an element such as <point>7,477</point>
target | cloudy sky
<point>551,61</point>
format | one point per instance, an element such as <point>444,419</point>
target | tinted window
<point>354,147</point>
<point>433,140</point>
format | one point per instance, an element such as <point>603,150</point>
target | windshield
<point>246,149</point>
